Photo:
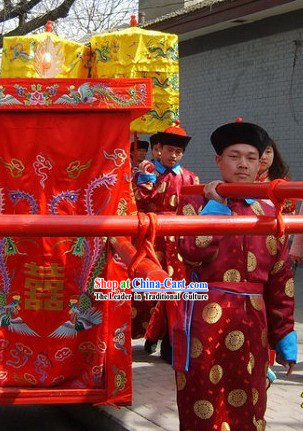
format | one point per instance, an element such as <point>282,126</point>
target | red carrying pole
<point>78,225</point>
<point>287,190</point>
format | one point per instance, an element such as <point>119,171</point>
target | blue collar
<point>162,169</point>
<point>250,201</point>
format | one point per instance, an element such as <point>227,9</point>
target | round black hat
<point>240,133</point>
<point>140,144</point>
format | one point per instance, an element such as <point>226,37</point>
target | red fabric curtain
<point>52,331</point>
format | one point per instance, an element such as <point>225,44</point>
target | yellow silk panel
<point>43,55</point>
<point>139,53</point>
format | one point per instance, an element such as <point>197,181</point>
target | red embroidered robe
<point>225,386</point>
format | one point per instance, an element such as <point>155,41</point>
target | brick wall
<point>254,71</point>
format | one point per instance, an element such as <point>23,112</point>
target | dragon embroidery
<point>42,163</point>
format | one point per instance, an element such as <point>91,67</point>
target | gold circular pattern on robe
<point>289,288</point>
<point>160,255</point>
<point>264,339</point>
<point>237,398</point>
<point>234,340</point>
<point>162,187</point>
<point>179,257</point>
<point>257,209</point>
<point>196,348</point>
<point>251,363</point>
<point>215,374</point>
<point>170,270</point>
<point>120,380</point>
<point>225,426</point>
<point>173,201</point>
<point>259,424</point>
<point>212,312</point>
<point>181,381</point>
<point>232,275</point>
<point>171,238</point>
<point>277,267</point>
<point>255,396</point>
<point>134,312</point>
<point>203,409</point>
<point>271,244</point>
<point>188,209</point>
<point>251,262</point>
<point>256,302</point>
<point>203,241</point>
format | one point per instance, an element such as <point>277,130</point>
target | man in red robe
<point>157,189</point>
<point>221,345</point>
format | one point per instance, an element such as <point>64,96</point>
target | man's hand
<point>146,167</point>
<point>288,365</point>
<point>211,194</point>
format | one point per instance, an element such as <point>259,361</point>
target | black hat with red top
<point>240,132</point>
<point>173,135</point>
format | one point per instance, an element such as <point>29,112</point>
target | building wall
<point>156,8</point>
<point>254,71</point>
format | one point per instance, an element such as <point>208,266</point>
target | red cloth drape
<point>52,331</point>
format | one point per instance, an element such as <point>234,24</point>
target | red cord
<point>278,204</point>
<point>145,246</point>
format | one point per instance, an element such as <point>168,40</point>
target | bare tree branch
<point>7,4</point>
<point>81,17</point>
<point>11,11</point>
<point>59,12</point>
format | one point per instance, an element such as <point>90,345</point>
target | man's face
<point>239,163</point>
<point>170,155</point>
<point>156,152</point>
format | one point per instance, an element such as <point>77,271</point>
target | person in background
<point>158,189</point>
<point>220,346</point>
<point>272,167</point>
<point>142,148</point>
<point>156,153</point>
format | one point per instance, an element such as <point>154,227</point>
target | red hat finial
<point>176,129</point>
<point>133,21</point>
<point>49,27</point>
<point>239,120</point>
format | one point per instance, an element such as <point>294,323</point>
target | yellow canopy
<point>139,53</point>
<point>43,55</point>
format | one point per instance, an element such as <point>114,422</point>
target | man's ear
<point>218,159</point>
